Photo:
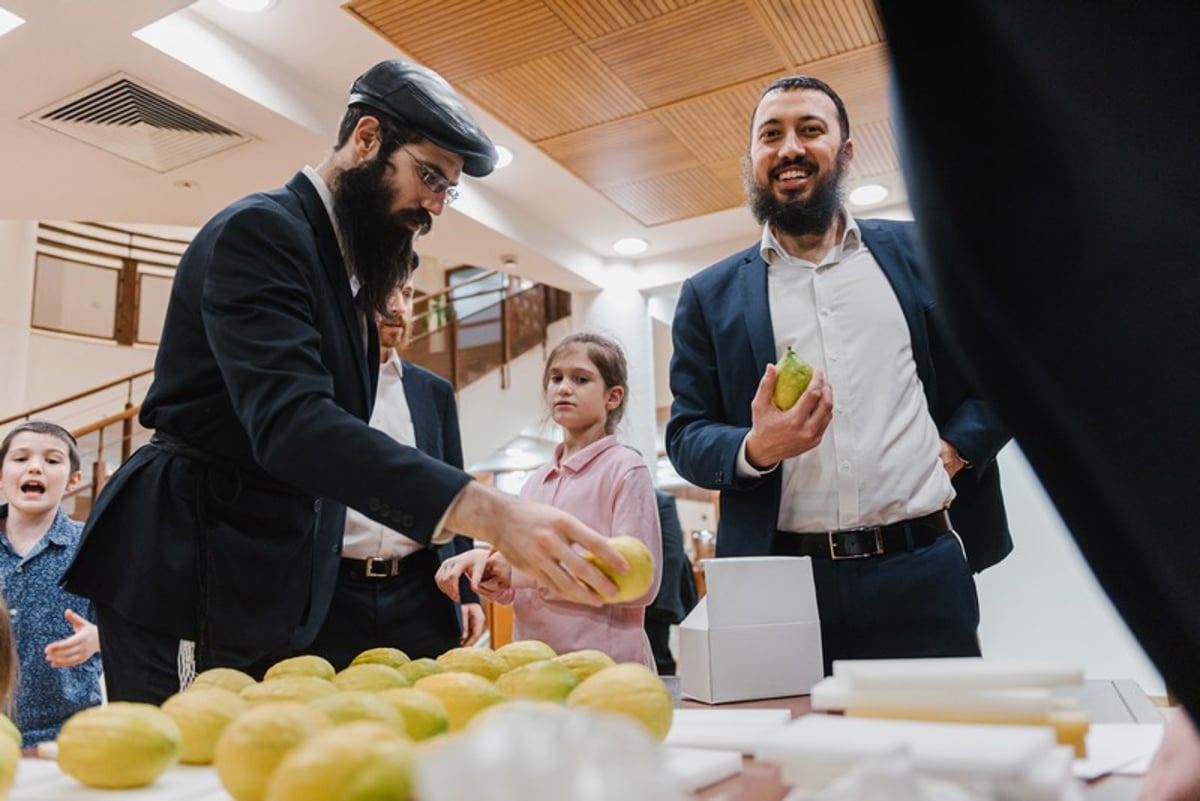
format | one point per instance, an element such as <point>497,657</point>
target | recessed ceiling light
<point>247,6</point>
<point>630,246</point>
<point>868,195</point>
<point>8,21</point>
<point>505,157</point>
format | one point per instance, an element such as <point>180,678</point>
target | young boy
<point>59,666</point>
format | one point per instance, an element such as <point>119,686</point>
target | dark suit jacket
<point>434,411</point>
<point>669,603</point>
<point>723,342</point>
<point>263,369</point>
<point>1085,330</point>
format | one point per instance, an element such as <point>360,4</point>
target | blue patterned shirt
<point>46,696</point>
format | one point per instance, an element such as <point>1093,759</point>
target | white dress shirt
<point>364,537</point>
<point>879,460</point>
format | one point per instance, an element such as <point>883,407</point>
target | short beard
<point>378,243</point>
<point>800,217</point>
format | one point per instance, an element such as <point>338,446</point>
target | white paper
<point>1124,748</point>
<point>695,769</point>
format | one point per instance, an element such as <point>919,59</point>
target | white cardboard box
<point>755,634</point>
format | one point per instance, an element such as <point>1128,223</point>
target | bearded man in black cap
<point>217,544</point>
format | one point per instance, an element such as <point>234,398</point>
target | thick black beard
<point>800,217</point>
<point>378,243</point>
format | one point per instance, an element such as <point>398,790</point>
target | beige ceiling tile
<point>691,51</point>
<point>619,152</point>
<point>675,196</point>
<point>555,94</point>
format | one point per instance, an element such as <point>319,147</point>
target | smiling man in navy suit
<point>884,470</point>
<point>385,593</point>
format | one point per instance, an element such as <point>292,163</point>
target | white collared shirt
<point>364,537</point>
<point>326,196</point>
<point>880,459</point>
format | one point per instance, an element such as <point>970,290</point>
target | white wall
<point>38,367</point>
<point>663,347</point>
<point>621,312</point>
<point>17,240</point>
<point>1043,601</point>
<point>73,363</point>
<point>489,416</point>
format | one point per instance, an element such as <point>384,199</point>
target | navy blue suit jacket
<point>434,411</point>
<point>263,373</point>
<point>723,341</point>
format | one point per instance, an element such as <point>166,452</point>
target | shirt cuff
<point>747,470</point>
<point>441,534</point>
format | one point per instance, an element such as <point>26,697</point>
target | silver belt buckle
<point>877,550</point>
<point>372,561</point>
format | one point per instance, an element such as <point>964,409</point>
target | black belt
<point>253,477</point>
<point>380,567</point>
<point>858,543</point>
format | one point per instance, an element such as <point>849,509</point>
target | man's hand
<point>76,649</point>
<point>1175,772</point>
<point>538,540</point>
<point>951,460</point>
<point>775,435</point>
<point>473,623</point>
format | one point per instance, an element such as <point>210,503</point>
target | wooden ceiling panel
<point>810,30</point>
<point>716,125</point>
<point>620,152</point>
<point>596,18</point>
<point>691,51</point>
<point>729,173</point>
<point>874,149</point>
<point>860,78</point>
<point>674,196</point>
<point>552,95</point>
<point>464,39</point>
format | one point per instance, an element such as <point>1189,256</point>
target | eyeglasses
<point>434,181</point>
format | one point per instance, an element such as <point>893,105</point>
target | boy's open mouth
<point>35,487</point>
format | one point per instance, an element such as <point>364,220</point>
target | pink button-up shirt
<point>608,487</point>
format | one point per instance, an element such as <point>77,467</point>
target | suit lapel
<point>914,298</point>
<point>420,407</point>
<point>335,272</point>
<point>756,308</point>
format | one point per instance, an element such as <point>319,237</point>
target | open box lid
<point>756,590</point>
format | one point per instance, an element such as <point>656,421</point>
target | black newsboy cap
<point>420,98</point>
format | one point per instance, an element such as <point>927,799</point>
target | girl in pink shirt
<point>603,483</point>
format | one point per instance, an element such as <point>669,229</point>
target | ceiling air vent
<point>128,119</point>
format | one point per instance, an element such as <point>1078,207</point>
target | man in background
<point>677,592</point>
<point>385,593</point>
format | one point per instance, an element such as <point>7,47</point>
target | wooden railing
<point>103,443</point>
<point>464,349</point>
